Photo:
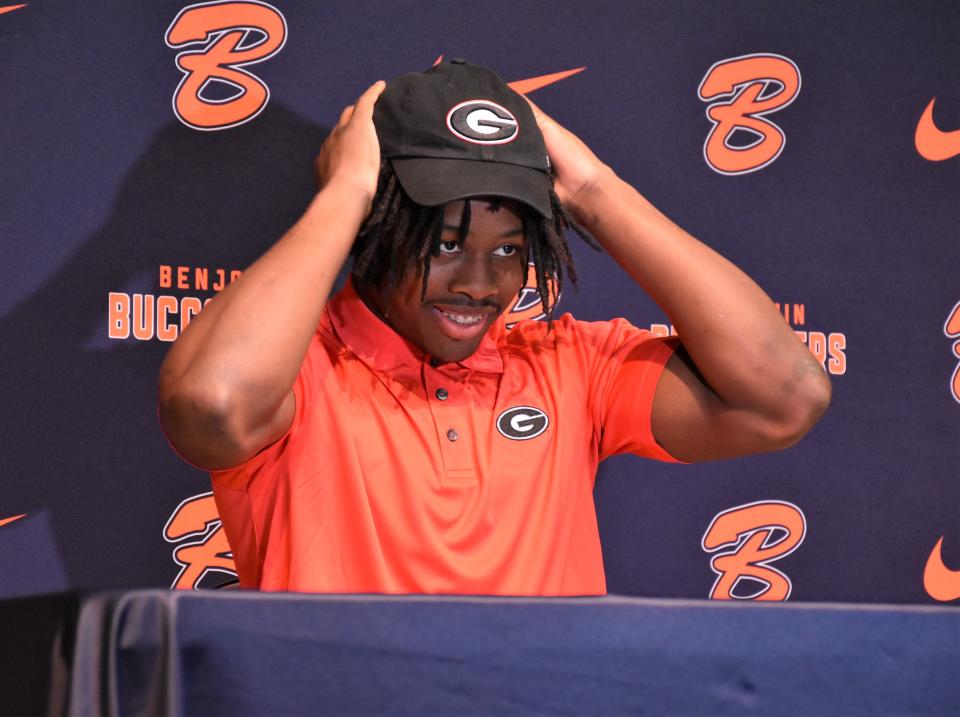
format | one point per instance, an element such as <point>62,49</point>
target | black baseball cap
<point>458,131</point>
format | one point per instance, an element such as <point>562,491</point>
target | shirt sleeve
<point>626,370</point>
<point>314,363</point>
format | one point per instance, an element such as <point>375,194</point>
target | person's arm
<point>225,388</point>
<point>742,382</point>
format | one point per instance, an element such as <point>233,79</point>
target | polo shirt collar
<point>382,348</point>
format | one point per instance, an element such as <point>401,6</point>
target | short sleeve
<point>626,371</point>
<point>315,363</point>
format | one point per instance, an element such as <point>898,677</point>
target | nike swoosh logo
<point>15,517</point>
<point>932,142</point>
<point>535,83</point>
<point>522,87</point>
<point>11,8</point>
<point>940,582</point>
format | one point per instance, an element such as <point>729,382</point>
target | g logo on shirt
<point>521,423</point>
<point>482,122</point>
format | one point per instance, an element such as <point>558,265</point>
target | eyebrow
<point>509,233</point>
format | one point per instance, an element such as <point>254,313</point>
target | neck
<point>372,300</point>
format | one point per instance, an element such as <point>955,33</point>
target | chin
<point>453,354</point>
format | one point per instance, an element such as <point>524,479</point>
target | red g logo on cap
<point>482,122</point>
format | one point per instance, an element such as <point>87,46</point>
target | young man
<point>397,438</point>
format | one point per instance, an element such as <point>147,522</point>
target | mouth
<point>461,323</point>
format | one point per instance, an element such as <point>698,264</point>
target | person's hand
<point>351,153</point>
<point>577,169</point>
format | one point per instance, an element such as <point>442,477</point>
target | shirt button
<point>442,394</point>
<point>452,435</point>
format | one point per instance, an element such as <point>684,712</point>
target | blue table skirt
<point>236,653</point>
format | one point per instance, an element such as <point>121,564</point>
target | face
<point>468,288</point>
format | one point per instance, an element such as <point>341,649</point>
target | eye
<point>449,247</point>
<point>507,250</point>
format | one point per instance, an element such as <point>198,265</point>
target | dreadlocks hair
<point>400,235</point>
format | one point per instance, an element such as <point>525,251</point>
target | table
<point>236,653</point>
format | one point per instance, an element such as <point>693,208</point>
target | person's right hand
<point>351,153</point>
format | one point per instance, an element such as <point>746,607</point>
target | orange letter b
<point>748,531</point>
<point>745,83</point>
<point>222,28</point>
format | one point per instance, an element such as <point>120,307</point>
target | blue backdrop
<point>113,195</point>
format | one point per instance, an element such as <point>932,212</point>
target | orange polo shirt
<point>476,478</point>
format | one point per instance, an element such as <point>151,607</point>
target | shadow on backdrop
<point>84,440</point>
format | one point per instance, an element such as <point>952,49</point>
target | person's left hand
<point>577,169</point>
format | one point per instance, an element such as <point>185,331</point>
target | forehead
<point>485,211</point>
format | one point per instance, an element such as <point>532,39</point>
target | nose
<point>475,277</point>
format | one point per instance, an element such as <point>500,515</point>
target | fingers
<point>369,98</point>
<point>538,113</point>
<point>364,104</point>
